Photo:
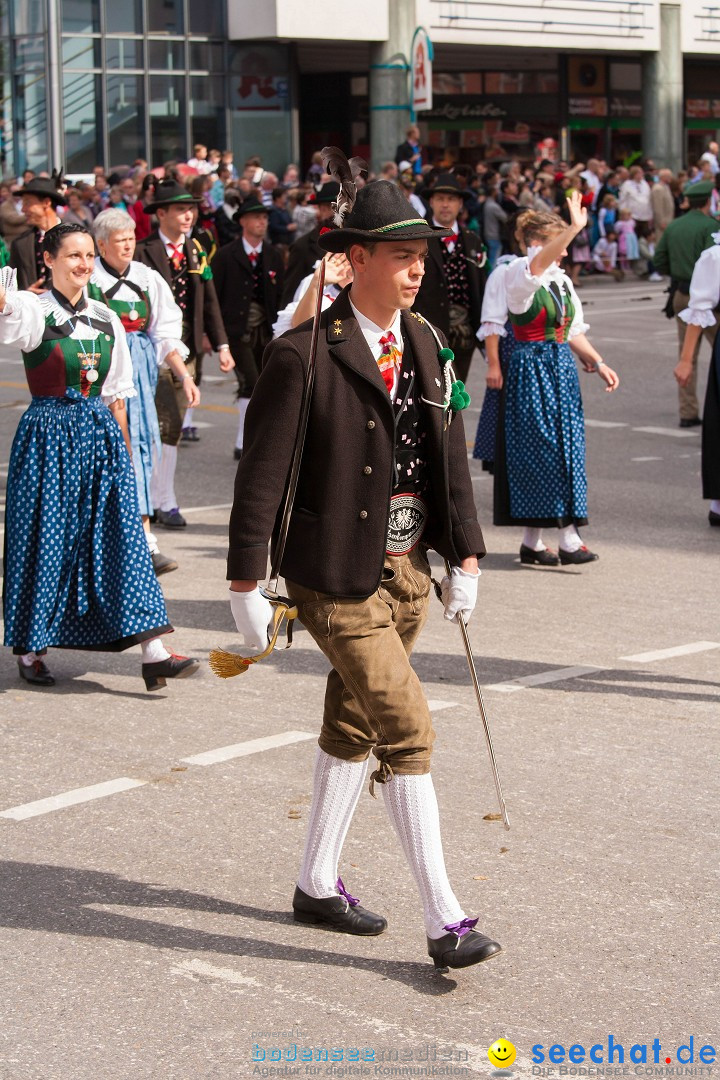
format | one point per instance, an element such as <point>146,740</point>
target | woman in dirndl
<point>78,573</point>
<point>700,315</point>
<point>540,480</point>
<point>144,303</point>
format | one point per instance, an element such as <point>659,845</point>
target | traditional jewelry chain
<point>90,373</point>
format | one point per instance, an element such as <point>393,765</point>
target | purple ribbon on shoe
<point>462,927</point>
<point>352,901</point>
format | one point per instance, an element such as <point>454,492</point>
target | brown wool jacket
<point>337,538</point>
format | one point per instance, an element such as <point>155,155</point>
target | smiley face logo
<point>501,1054</point>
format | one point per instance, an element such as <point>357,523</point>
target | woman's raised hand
<point>578,213</point>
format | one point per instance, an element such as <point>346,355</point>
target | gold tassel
<point>226,664</point>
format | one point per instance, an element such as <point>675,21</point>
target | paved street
<point>146,929</point>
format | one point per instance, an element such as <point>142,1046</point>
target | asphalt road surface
<point>145,916</point>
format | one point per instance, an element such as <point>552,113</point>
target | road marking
<point>543,677</point>
<point>71,798</point>
<point>199,509</point>
<point>199,967</point>
<point>603,423</point>
<point>646,459</point>
<point>436,706</point>
<point>252,746</point>
<point>679,650</point>
<point>680,434</point>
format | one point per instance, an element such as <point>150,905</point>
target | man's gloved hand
<point>459,593</point>
<point>253,614</point>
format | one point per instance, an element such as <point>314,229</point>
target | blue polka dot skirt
<point>142,415</point>
<point>78,572</point>
<point>540,475</point>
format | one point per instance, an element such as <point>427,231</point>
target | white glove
<point>253,614</point>
<point>459,593</point>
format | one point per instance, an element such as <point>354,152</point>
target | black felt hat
<point>251,206</point>
<point>44,188</point>
<point>381,213</point>
<point>326,194</point>
<point>167,193</point>
<point>445,184</point>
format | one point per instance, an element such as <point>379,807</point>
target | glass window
<point>123,16</point>
<point>166,55</point>
<point>81,16</point>
<point>30,127</point>
<point>165,17</point>
<point>167,117</point>
<point>123,53</point>
<point>29,53</point>
<point>81,117</point>
<point>205,56</point>
<point>28,16</point>
<point>79,52</point>
<point>207,110</point>
<point>125,118</point>
<point>206,17</point>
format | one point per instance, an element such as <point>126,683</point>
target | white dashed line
<point>543,677</point>
<point>436,706</point>
<point>199,509</point>
<point>646,459</point>
<point>71,798</point>
<point>672,432</point>
<point>603,423</point>
<point>679,650</point>
<point>252,746</point>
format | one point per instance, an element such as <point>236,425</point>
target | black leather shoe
<point>175,667</point>
<point>694,421</point>
<point>170,519</point>
<point>237,453</point>
<point>546,557</point>
<point>461,950</point>
<point>37,674</point>
<point>574,558</point>
<point>162,564</point>
<point>336,913</point>
<point>714,518</point>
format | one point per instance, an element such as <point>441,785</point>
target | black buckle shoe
<point>170,519</point>
<point>529,556</point>
<point>162,564</point>
<point>461,947</point>
<point>175,667</point>
<point>342,913</point>
<point>713,518</point>
<point>574,558</point>
<point>693,421</point>
<point>37,674</point>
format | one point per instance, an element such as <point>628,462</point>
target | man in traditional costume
<point>41,197</point>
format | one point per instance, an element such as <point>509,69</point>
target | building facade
<point>102,82</point>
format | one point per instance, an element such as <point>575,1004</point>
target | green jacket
<point>682,244</point>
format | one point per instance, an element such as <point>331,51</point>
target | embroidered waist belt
<point>406,524</point>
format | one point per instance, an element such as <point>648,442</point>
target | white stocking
<point>162,484</point>
<point>153,651</point>
<point>242,405</point>
<point>570,538</point>
<point>532,538</point>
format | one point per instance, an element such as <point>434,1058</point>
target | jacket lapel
<point>346,342</point>
<point>241,256</point>
<point>428,372</point>
<point>158,257</point>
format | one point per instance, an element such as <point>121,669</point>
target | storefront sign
<point>421,71</point>
<point>452,111</point>
<point>587,106</point>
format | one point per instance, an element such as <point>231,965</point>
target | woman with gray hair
<point>143,302</point>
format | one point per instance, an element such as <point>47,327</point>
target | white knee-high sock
<point>162,484</point>
<point>715,506</point>
<point>336,789</point>
<point>570,538</point>
<point>187,419</point>
<point>153,651</point>
<point>413,810</point>
<point>242,405</point>
<point>532,538</point>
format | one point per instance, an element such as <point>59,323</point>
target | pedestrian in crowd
<point>303,214</point>
<point>377,368</point>
<point>78,572</point>
<point>451,292</point>
<point>268,184</point>
<point>699,316</point>
<point>338,274</point>
<point>605,255</point>
<point>281,227</point>
<point>494,218</point>
<point>635,197</point>
<point>407,185</point>
<point>183,264</point>
<point>306,251</point>
<point>711,157</point>
<point>540,480</point>
<point>152,321</point>
<point>676,254</point>
<point>77,213</point>
<point>12,222</point>
<point>249,282</point>
<point>625,228</point>
<point>291,177</point>
<point>663,203</point>
<point>607,215</point>
<point>40,201</point>
<point>411,150</point>
<point>199,160</point>
<point>644,267</point>
<point>227,226</point>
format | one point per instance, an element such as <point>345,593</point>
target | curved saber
<point>481,705</point>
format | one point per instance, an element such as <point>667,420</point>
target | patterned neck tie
<point>253,257</point>
<point>177,257</point>
<point>389,359</point>
<point>448,240</point>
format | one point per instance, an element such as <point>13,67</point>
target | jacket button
<point>370,425</point>
<point>367,470</point>
<point>363,515</point>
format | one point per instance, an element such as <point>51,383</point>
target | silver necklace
<point>90,359</point>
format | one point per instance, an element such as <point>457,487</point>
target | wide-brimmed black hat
<point>167,193</point>
<point>44,187</point>
<point>251,206</point>
<point>381,213</point>
<point>326,194</point>
<point>446,184</point>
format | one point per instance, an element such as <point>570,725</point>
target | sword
<point>227,664</point>
<point>481,704</point>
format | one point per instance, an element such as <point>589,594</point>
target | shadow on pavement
<point>59,899</point>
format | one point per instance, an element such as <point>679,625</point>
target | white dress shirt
<point>372,334</point>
